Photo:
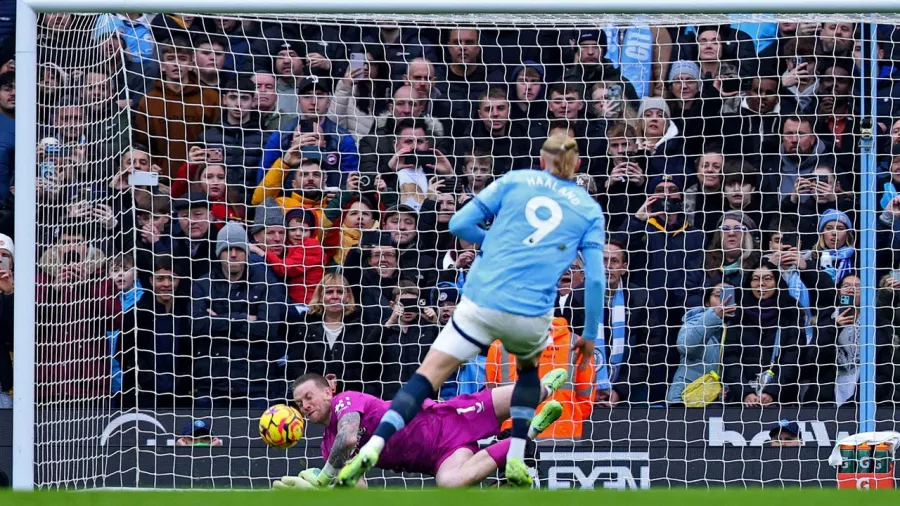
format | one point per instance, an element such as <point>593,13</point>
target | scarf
<point>837,262</point>
<point>131,297</point>
<point>800,292</point>
<point>765,314</point>
<point>889,193</point>
<point>633,57</point>
<point>349,237</point>
<point>731,268</point>
<point>608,371</point>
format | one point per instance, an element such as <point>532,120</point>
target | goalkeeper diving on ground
<point>441,442</point>
<point>539,221</point>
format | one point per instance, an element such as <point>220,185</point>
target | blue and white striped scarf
<point>608,372</point>
<point>800,292</point>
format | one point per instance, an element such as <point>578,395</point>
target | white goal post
<point>459,12</point>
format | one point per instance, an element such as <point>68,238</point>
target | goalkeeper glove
<point>309,479</point>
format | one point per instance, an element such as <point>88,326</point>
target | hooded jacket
<point>167,121</point>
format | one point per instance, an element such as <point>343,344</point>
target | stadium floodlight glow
<point>44,464</point>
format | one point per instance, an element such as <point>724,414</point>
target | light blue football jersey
<point>540,222</point>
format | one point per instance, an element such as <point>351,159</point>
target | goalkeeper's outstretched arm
<point>344,444</point>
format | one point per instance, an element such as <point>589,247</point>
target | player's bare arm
<point>346,440</point>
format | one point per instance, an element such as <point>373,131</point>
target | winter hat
<point>401,209</point>
<point>232,235</point>
<point>444,292</point>
<point>744,219</point>
<point>6,243</point>
<point>834,215</point>
<point>190,201</point>
<point>648,103</point>
<point>594,34</point>
<point>307,217</point>
<point>684,67</point>
<point>269,214</point>
<point>676,179</point>
<point>314,82</point>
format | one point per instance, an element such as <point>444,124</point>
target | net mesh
<point>226,203</point>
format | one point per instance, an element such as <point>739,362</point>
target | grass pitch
<point>438,497</point>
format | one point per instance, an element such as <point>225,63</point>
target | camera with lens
<point>367,181</point>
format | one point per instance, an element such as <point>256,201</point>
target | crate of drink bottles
<point>866,460</point>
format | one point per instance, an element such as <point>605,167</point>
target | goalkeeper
<point>441,442</point>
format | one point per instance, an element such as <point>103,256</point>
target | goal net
<point>226,203</point>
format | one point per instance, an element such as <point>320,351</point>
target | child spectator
<point>302,264</point>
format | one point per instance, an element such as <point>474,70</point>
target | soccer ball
<point>281,426</point>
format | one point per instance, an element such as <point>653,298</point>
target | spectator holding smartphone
<point>392,353</point>
<point>414,161</point>
<point>830,365</point>
<point>372,271</point>
<point>664,249</point>
<point>335,142</point>
<point>360,96</point>
<point>799,154</point>
<point>815,194</point>
<point>700,339</point>
<point>799,78</point>
<point>239,133</point>
<point>761,352</point>
<point>624,179</point>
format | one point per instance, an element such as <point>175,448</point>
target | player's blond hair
<point>560,154</point>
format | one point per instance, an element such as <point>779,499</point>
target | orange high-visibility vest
<point>576,396</point>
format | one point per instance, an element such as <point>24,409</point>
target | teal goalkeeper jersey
<point>539,223</point>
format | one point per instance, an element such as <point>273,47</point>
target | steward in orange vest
<point>576,396</point>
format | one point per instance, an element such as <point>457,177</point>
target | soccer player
<point>442,441</point>
<point>539,222</point>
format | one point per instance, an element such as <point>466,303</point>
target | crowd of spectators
<point>225,204</point>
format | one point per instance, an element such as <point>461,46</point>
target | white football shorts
<point>472,329</point>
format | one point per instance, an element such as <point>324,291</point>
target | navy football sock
<point>526,396</point>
